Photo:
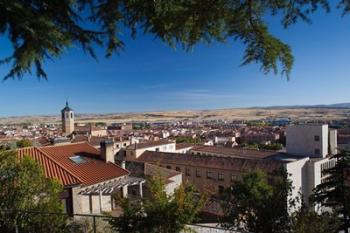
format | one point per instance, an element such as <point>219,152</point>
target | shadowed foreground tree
<point>254,205</point>
<point>42,30</point>
<point>23,143</point>
<point>23,190</point>
<point>161,213</point>
<point>334,192</point>
<point>307,221</point>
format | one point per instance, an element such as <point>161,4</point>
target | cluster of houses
<point>93,172</point>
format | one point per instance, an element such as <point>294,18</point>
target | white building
<point>133,151</point>
<point>312,147</point>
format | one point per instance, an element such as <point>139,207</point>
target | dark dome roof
<point>66,108</point>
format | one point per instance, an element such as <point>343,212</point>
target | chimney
<point>107,151</point>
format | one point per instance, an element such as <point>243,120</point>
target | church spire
<point>66,108</point>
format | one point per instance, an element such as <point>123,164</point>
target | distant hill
<point>330,106</point>
<point>297,113</point>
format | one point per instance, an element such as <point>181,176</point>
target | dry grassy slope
<point>228,114</point>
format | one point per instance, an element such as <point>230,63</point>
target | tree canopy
<point>43,30</point>
<point>160,212</point>
<point>24,143</point>
<point>255,205</point>
<point>24,190</point>
<point>334,192</point>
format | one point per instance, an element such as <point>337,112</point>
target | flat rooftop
<point>234,152</point>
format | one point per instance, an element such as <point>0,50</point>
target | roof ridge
<point>119,167</point>
<point>57,163</point>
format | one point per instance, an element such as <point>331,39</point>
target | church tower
<point>67,115</point>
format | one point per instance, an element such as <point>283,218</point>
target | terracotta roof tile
<point>233,152</point>
<point>93,170</point>
<point>50,167</point>
<point>56,162</point>
<point>214,162</point>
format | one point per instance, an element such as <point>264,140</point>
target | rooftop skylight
<point>78,159</point>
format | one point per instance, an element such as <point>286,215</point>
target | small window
<point>317,151</point>
<point>71,115</point>
<point>210,175</point>
<point>221,189</point>
<point>188,172</point>
<point>117,145</point>
<point>169,167</point>
<point>317,138</point>
<point>178,169</point>
<point>157,149</point>
<point>234,177</point>
<point>198,173</point>
<point>220,176</point>
<point>124,144</point>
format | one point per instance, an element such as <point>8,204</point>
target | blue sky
<point>150,76</point>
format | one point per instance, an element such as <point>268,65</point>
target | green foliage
<point>184,139</point>
<point>160,213</point>
<point>256,146</point>
<point>23,143</point>
<point>24,190</point>
<point>141,126</point>
<point>42,30</point>
<point>255,205</point>
<point>305,221</point>
<point>334,192</point>
<point>271,146</point>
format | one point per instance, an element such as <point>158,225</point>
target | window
<point>117,145</point>
<point>221,189</point>
<point>317,151</point>
<point>188,172</point>
<point>317,138</point>
<point>210,175</point>
<point>220,176</point>
<point>124,144</point>
<point>169,167</point>
<point>178,169</point>
<point>71,115</point>
<point>198,173</point>
<point>157,149</point>
<point>78,159</point>
<point>233,177</point>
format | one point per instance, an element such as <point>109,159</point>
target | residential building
<point>214,168</point>
<point>89,177</point>
<point>135,150</point>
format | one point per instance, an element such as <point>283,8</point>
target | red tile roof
<point>234,152</point>
<point>210,162</point>
<point>93,170</point>
<point>50,167</point>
